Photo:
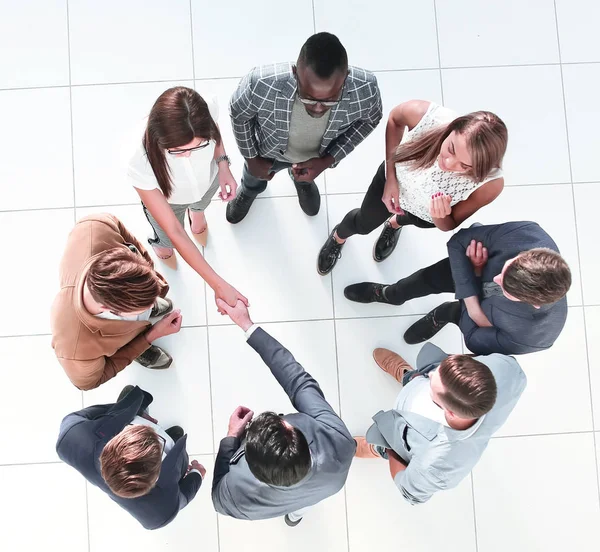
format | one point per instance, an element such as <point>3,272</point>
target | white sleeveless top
<point>418,185</point>
<point>191,176</point>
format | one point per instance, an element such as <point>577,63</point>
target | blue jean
<point>252,186</point>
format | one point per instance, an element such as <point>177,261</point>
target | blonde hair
<point>486,137</point>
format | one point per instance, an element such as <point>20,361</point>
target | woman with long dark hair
<point>446,169</point>
<point>177,170</point>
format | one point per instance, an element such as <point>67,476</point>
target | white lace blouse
<point>418,185</point>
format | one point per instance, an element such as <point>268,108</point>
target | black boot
<point>175,432</point>
<point>426,327</point>
<point>329,254</point>
<point>387,241</point>
<point>238,208</point>
<point>308,196</point>
<point>366,292</point>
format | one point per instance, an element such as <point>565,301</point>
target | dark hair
<point>324,54</point>
<point>470,386</point>
<point>539,276</point>
<point>131,461</point>
<point>123,281</point>
<point>486,136</point>
<point>178,116</point>
<point>276,454</point>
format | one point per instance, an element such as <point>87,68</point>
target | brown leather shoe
<point>391,363</point>
<point>364,449</point>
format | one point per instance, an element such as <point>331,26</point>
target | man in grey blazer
<point>443,419</point>
<point>305,118</point>
<point>280,465</point>
<point>510,283</point>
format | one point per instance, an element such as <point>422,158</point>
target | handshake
<point>171,323</point>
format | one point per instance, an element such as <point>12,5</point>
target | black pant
<point>373,212</point>
<point>433,279</point>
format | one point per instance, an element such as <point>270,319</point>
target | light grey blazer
<point>439,457</point>
<point>237,493</point>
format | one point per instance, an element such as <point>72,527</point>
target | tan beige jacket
<point>93,350</point>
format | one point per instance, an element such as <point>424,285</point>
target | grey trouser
<point>160,236</point>
<point>252,186</point>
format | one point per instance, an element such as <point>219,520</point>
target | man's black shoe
<point>366,292</point>
<point>386,243</point>
<point>238,208</point>
<point>175,432</point>
<point>309,197</point>
<point>125,392</point>
<point>329,254</point>
<point>425,328</point>
<point>291,523</point>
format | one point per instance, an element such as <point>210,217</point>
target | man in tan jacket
<point>108,292</point>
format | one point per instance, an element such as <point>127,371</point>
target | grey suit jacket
<point>261,109</point>
<point>517,327</point>
<point>237,493</point>
<point>440,457</point>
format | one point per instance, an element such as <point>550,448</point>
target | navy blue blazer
<point>517,327</point>
<point>84,434</point>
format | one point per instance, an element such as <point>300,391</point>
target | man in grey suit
<point>305,118</point>
<point>443,419</point>
<point>510,284</point>
<point>280,465</point>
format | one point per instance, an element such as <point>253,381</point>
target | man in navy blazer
<point>510,284</point>
<point>122,450</point>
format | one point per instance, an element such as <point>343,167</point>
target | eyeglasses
<point>327,103</point>
<point>180,151</point>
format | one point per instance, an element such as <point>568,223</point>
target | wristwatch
<point>223,158</point>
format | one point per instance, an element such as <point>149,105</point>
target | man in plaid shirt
<point>305,117</point>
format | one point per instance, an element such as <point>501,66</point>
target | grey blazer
<point>237,493</point>
<point>440,457</point>
<point>517,327</point>
<point>261,109</point>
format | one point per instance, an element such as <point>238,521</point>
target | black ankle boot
<point>309,198</point>
<point>329,254</point>
<point>238,208</point>
<point>387,241</point>
<point>366,292</point>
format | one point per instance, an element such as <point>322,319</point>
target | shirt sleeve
<point>140,173</point>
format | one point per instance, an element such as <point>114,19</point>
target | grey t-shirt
<point>306,134</point>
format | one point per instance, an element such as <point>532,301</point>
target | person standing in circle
<point>177,170</point>
<point>446,169</point>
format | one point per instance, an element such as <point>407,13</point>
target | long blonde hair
<point>486,136</point>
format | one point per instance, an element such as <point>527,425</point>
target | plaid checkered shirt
<point>261,109</point>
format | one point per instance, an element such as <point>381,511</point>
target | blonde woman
<point>446,169</point>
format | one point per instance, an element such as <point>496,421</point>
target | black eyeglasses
<point>180,151</point>
<point>327,103</point>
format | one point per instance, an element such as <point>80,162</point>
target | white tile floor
<point>77,76</point>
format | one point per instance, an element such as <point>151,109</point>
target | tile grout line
<point>314,17</point>
<point>71,112</point>
<point>192,39</point>
<point>585,335</point>
<point>330,194</point>
<point>562,82</point>
<point>344,318</point>
<point>231,77</point>
<point>212,416</point>
<point>437,40</point>
<point>474,511</point>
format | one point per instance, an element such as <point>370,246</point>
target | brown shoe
<point>391,363</point>
<point>364,449</point>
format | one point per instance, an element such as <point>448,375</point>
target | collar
<point>107,328</point>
